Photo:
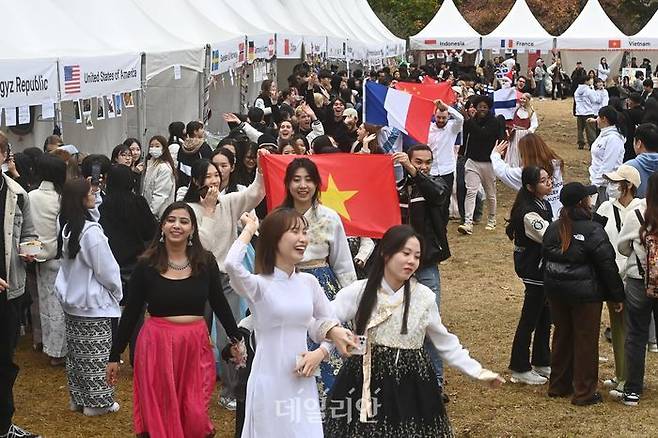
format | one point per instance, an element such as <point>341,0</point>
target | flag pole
<point>363,99</point>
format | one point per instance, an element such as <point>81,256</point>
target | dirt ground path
<point>481,302</point>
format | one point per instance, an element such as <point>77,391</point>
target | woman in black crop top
<point>174,371</point>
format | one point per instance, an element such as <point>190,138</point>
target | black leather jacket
<point>587,271</point>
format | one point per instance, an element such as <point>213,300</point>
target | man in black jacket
<point>422,198</point>
<point>633,116</point>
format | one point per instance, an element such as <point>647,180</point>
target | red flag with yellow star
<point>359,187</point>
<point>429,91</point>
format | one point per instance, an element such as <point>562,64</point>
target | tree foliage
<point>408,17</point>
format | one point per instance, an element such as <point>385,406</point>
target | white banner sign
<point>336,48</point>
<point>98,76</point>
<point>315,45</point>
<point>227,55</point>
<point>260,47</point>
<point>29,82</point>
<point>288,46</point>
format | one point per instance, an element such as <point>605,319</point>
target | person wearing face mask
<point>622,187</point>
<point>159,186</point>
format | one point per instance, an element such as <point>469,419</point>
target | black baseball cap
<point>574,192</point>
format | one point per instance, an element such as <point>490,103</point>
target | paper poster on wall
<point>10,116</point>
<point>89,121</point>
<point>27,82</point>
<point>23,114</point>
<point>77,114</point>
<point>100,108</point>
<point>630,72</point>
<point>87,77</point>
<point>110,106</point>
<point>118,109</point>
<point>48,110</point>
<point>128,100</point>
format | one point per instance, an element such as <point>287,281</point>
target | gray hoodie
<point>645,163</point>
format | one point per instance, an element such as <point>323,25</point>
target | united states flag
<point>71,79</point>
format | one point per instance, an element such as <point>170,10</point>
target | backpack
<point>651,274</point>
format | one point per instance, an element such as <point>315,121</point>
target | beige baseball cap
<point>625,173</point>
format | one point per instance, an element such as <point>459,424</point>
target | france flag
<point>410,114</point>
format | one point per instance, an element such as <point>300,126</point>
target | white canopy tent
<point>645,39</point>
<point>520,31</point>
<point>447,30</point>
<point>592,30</point>
<point>362,8</point>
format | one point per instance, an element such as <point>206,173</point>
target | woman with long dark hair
<point>392,314</point>
<point>266,100</point>
<point>174,373</point>
<point>176,138</point>
<point>639,224</point>
<point>607,150</point>
<point>44,206</point>
<point>89,287</point>
<point>159,186</point>
<point>580,272</point>
<point>603,70</point>
<point>327,255</point>
<point>529,218</point>
<point>284,302</point>
<point>533,151</point>
<point>245,163</point>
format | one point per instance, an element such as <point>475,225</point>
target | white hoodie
<point>587,100</point>
<point>607,154</point>
<point>89,285</point>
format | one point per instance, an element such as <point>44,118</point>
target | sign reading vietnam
<point>99,76</point>
<point>29,82</point>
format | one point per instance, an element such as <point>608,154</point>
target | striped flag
<point>71,79</point>
<point>505,102</point>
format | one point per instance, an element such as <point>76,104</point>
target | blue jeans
<point>430,277</point>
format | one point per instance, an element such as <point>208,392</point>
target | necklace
<point>176,267</point>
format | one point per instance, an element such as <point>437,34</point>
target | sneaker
<point>630,398</point>
<point>543,371</point>
<point>652,347</point>
<point>16,432</point>
<point>94,412</point>
<point>593,400</point>
<point>529,378</point>
<point>491,225</point>
<point>465,229</point>
<point>616,393</point>
<point>610,383</point>
<point>228,403</point>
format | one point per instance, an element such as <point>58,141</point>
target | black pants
<point>535,317</point>
<point>9,317</point>
<point>445,208</point>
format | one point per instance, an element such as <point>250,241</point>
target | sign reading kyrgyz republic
<point>27,82</point>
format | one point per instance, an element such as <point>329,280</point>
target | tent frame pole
<point>203,81</point>
<point>141,104</point>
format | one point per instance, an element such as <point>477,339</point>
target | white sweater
<point>607,154</point>
<point>44,203</point>
<point>219,231</point>
<point>630,245</point>
<point>89,285</point>
<point>159,187</point>
<point>607,210</point>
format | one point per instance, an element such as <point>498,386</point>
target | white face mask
<point>155,152</point>
<point>612,189</point>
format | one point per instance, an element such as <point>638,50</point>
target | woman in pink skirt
<point>174,372</point>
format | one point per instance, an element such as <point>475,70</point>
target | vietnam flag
<point>430,91</point>
<point>359,187</point>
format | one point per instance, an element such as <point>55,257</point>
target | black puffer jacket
<point>587,271</point>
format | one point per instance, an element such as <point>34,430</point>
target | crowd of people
<point>317,333</point>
